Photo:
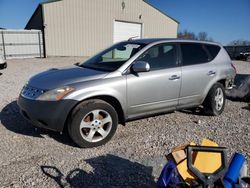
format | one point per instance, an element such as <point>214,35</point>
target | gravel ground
<point>32,157</point>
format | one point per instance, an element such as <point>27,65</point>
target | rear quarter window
<point>213,50</point>
<point>193,53</point>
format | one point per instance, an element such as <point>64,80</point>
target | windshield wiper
<point>96,68</point>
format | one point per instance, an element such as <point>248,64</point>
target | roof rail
<point>131,38</point>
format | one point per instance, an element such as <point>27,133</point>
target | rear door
<point>197,71</point>
<point>156,90</point>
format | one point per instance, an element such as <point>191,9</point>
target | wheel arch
<point>221,81</point>
<point>107,98</point>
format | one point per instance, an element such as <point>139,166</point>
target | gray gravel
<point>32,157</point>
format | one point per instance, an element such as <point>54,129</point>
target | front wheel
<point>214,103</point>
<point>92,123</point>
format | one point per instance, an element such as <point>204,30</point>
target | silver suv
<point>128,81</point>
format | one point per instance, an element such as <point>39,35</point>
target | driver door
<point>157,90</point>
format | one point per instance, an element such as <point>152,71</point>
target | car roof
<point>153,40</point>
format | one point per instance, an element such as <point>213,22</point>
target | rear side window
<point>193,53</point>
<point>213,50</point>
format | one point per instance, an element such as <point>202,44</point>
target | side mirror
<point>141,66</point>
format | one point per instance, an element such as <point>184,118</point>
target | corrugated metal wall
<point>21,44</point>
<point>83,27</point>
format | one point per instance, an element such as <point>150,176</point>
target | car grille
<point>31,92</point>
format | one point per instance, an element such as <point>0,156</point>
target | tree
<point>239,43</point>
<point>191,35</point>
<point>187,35</point>
<point>204,36</point>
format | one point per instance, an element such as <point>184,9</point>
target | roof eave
<point>33,15</point>
<point>49,1</point>
<point>146,1</point>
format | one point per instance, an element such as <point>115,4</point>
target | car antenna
<point>131,38</point>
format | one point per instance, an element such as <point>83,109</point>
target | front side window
<point>193,53</point>
<point>160,56</point>
<point>114,57</point>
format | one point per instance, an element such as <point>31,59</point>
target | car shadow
<point>199,111</point>
<point>246,107</point>
<point>107,171</point>
<point>12,120</point>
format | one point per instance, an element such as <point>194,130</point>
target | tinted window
<point>193,53</point>
<point>160,56</point>
<point>213,50</point>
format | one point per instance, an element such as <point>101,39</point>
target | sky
<point>223,20</point>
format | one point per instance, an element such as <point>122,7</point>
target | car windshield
<point>114,57</point>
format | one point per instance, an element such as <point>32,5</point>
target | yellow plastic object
<point>186,175</point>
<point>208,162</point>
<point>183,170</point>
<point>205,162</point>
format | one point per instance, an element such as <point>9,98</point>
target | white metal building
<point>84,27</point>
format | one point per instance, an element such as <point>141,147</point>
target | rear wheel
<point>214,103</point>
<point>92,123</point>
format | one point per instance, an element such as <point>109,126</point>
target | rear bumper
<point>46,114</point>
<point>3,65</point>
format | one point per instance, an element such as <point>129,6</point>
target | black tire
<point>210,101</point>
<point>80,112</point>
<point>3,66</point>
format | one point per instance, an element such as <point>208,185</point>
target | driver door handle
<point>174,77</point>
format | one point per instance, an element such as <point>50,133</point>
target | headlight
<point>55,94</point>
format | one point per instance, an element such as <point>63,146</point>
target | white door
<point>125,30</point>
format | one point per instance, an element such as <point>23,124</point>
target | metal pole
<point>4,52</point>
<point>40,50</point>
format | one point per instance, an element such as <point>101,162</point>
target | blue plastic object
<point>169,176</point>
<point>227,184</point>
<point>233,171</point>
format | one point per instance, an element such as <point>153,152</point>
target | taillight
<point>234,68</point>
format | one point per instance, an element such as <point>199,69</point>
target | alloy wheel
<point>96,125</point>
<point>219,99</point>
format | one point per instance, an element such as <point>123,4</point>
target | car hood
<point>55,78</point>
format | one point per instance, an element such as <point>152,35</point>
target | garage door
<point>125,30</point>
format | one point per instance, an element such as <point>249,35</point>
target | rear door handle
<point>174,77</point>
<point>211,73</point>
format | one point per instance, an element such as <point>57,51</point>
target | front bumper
<point>46,114</point>
<point>3,65</point>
